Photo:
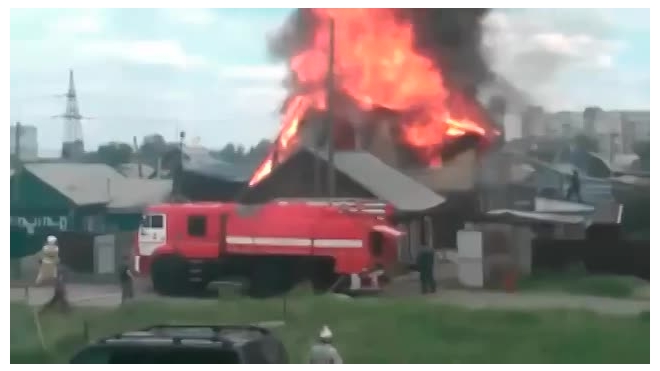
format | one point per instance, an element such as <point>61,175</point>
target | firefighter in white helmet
<point>324,351</point>
<point>49,261</point>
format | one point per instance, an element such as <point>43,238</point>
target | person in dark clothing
<point>126,281</point>
<point>59,300</point>
<point>574,187</point>
<point>425,263</point>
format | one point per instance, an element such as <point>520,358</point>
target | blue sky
<point>208,71</point>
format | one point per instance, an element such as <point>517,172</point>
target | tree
<point>236,153</point>
<point>240,151</point>
<point>114,153</point>
<point>258,152</point>
<point>227,153</point>
<point>153,146</point>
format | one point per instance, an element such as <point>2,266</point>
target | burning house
<point>383,103</point>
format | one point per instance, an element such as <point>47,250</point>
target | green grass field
<point>578,282</point>
<point>366,330</point>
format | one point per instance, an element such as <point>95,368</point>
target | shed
<point>80,197</point>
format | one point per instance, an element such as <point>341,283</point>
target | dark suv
<point>187,344</point>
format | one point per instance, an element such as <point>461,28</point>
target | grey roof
<point>83,184</point>
<point>199,160</point>
<point>632,180</point>
<point>543,204</point>
<point>90,184</point>
<point>132,195</point>
<point>541,217</point>
<point>132,170</point>
<point>385,182</point>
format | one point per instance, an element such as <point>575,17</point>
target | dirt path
<point>109,296</point>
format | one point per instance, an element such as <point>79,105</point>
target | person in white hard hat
<point>49,261</point>
<point>324,351</point>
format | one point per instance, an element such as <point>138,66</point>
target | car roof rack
<point>225,335</point>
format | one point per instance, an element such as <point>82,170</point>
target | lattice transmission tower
<point>73,144</point>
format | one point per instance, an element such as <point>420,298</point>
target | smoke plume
<point>449,37</point>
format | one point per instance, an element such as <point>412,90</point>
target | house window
<point>197,225</point>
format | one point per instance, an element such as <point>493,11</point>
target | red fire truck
<point>339,244</point>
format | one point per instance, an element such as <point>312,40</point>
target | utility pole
<point>330,90</point>
<point>179,188</point>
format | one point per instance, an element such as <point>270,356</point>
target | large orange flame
<point>376,65</point>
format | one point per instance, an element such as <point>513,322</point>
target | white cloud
<point>157,52</point>
<point>88,23</point>
<point>534,49</point>
<point>194,17</point>
<point>266,72</point>
<point>185,70</point>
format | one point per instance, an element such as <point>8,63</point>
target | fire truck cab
<point>338,244</point>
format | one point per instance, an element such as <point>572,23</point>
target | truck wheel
<point>270,278</point>
<point>323,276</point>
<point>168,275</point>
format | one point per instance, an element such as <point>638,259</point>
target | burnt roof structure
<point>359,174</point>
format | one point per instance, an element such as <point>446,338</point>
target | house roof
<point>199,160</point>
<point>132,170</point>
<point>385,182</point>
<point>543,204</point>
<point>133,195</point>
<point>537,216</point>
<point>632,180</point>
<point>83,184</point>
<point>378,179</point>
<point>92,184</point>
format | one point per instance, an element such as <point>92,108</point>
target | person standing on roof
<point>49,261</point>
<point>324,351</point>
<point>425,265</point>
<point>574,187</point>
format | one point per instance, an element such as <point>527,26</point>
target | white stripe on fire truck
<point>338,243</point>
<point>275,241</point>
<point>239,240</point>
<point>298,242</point>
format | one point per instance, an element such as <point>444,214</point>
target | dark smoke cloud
<point>294,36</point>
<point>450,37</point>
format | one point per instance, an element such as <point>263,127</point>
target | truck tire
<point>168,276</point>
<point>323,276</point>
<point>270,277</point>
